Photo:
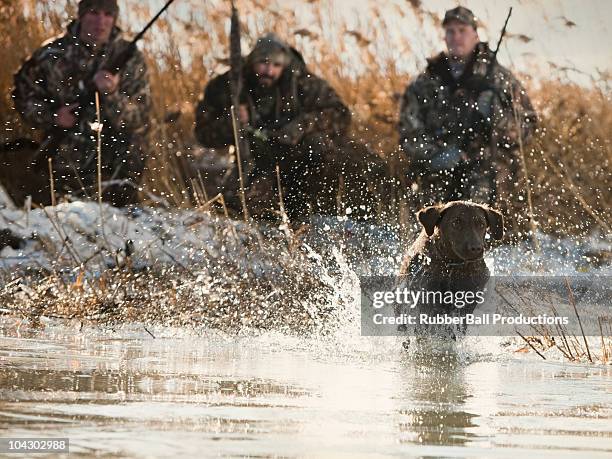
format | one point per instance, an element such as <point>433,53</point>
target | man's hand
<point>64,117</point>
<point>243,114</point>
<point>106,82</point>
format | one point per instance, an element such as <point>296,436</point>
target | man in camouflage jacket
<point>460,129</point>
<point>46,94</point>
<point>294,118</point>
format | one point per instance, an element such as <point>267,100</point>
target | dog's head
<point>462,226</point>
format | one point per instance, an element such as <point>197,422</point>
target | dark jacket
<point>435,109</point>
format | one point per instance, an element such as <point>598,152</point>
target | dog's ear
<point>495,221</point>
<point>429,217</point>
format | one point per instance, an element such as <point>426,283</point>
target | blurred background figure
<point>461,121</point>
<point>48,94</point>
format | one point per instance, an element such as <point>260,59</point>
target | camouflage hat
<point>461,14</point>
<point>110,6</point>
<point>270,48</point>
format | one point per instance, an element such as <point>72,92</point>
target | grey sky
<point>539,27</point>
<point>585,46</point>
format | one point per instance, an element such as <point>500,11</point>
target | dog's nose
<point>475,250</point>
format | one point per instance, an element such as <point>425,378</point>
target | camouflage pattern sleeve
<point>128,108</point>
<point>32,99</point>
<point>322,112</point>
<point>415,140</point>
<point>513,114</point>
<point>213,127</point>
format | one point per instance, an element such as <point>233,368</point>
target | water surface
<point>123,393</point>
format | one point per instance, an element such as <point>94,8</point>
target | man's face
<point>461,39</point>
<point>268,72</point>
<point>96,26</point>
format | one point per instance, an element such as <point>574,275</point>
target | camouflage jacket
<point>438,111</point>
<point>55,74</point>
<point>305,105</point>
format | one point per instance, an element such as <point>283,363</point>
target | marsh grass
<point>568,162</point>
<point>276,286</point>
<point>547,339</point>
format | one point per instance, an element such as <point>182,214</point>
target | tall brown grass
<point>568,163</point>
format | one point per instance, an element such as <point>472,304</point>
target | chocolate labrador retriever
<point>448,255</point>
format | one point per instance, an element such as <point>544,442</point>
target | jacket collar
<point>439,66</point>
